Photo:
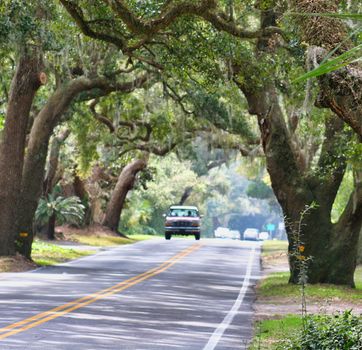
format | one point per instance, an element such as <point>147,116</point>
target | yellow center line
<point>91,298</point>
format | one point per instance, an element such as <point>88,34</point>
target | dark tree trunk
<point>186,195</point>
<point>51,227</point>
<point>26,82</point>
<point>81,192</point>
<point>124,184</point>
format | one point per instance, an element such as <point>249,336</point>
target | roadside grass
<point>45,254</point>
<point>270,332</point>
<point>276,284</point>
<point>276,289</point>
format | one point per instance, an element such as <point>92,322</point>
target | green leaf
<point>343,60</point>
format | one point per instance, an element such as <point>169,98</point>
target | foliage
<point>258,189</point>
<point>341,331</point>
<point>68,210</point>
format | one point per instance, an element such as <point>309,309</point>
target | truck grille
<point>182,224</point>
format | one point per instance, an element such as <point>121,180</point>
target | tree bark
<point>51,227</point>
<point>124,184</point>
<point>186,195</point>
<point>24,85</point>
<point>50,177</point>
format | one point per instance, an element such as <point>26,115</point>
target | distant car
<point>235,234</point>
<point>251,234</point>
<point>182,220</point>
<point>263,236</point>
<point>224,232</point>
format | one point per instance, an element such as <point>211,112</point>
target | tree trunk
<point>50,178</point>
<point>51,227</point>
<point>186,195</point>
<point>81,192</point>
<point>34,165</point>
<point>24,85</point>
<point>124,184</point>
<point>332,247</point>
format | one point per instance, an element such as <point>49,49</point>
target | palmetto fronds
<point>69,210</point>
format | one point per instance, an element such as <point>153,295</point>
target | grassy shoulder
<point>276,284</point>
<point>45,254</point>
<point>275,290</point>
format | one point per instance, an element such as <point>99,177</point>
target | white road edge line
<point>219,331</point>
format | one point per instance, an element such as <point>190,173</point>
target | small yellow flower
<point>301,257</point>
<point>301,248</point>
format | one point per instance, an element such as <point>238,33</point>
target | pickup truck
<point>182,220</point>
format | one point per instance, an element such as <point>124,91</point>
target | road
<point>152,295</point>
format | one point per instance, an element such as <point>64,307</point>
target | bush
<point>340,331</point>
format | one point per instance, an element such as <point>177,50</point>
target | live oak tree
<point>22,174</point>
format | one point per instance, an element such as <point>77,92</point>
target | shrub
<point>340,331</point>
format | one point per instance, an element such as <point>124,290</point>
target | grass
<point>276,284</point>
<point>269,332</point>
<point>45,254</point>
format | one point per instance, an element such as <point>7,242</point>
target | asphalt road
<point>153,295</point>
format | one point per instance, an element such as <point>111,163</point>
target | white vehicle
<point>235,234</point>
<point>222,232</point>
<point>263,236</point>
<point>251,234</point>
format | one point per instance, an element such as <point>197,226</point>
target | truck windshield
<point>183,212</point>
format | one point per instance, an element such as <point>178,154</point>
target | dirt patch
<point>16,263</point>
<point>272,308</point>
<point>66,232</point>
<point>277,262</point>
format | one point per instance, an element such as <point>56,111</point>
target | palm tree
<point>53,209</point>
